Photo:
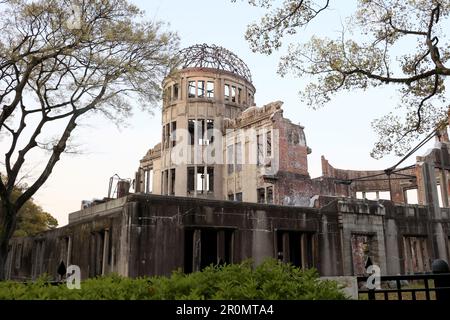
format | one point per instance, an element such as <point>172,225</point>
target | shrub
<point>271,280</point>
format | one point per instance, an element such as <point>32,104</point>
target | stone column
<point>429,192</point>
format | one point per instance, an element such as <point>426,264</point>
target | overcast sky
<point>341,131</point>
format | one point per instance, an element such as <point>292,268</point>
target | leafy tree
<point>31,219</point>
<point>404,45</point>
<point>61,60</point>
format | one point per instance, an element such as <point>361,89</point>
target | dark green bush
<point>269,281</point>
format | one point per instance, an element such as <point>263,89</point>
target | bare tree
<point>404,45</point>
<point>60,60</point>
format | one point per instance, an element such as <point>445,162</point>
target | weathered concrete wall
<point>149,235</point>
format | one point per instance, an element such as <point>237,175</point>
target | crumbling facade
<point>229,181</point>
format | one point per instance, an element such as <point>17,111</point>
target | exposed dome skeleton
<point>214,57</point>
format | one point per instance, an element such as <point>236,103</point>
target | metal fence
<point>431,286</point>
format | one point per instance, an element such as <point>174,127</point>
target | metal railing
<point>435,286</point>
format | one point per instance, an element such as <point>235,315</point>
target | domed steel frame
<point>215,57</point>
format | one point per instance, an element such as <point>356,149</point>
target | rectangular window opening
<point>269,195</point>
<point>210,89</point>
<point>172,182</point>
<point>210,130</point>
<point>191,130</point>
<point>412,196</point>
<point>227,92</point>
<point>416,256</point>
<point>269,144</point>
<point>260,150</point>
<point>173,136</point>
<point>230,159</point>
<point>205,247</point>
<point>190,179</point>
<point>261,195</point>
<point>201,89</point>
<point>201,179</point>
<point>175,91</point>
<point>239,157</point>
<point>191,89</point>
<point>210,178</point>
<point>296,247</point>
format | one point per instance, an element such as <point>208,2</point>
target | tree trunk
<point>3,257</point>
<point>8,218</point>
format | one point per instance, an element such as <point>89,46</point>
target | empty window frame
<point>416,256</point>
<point>206,131</point>
<point>238,197</point>
<point>190,179</point>
<point>146,178</point>
<point>191,89</point>
<point>202,141</point>
<point>210,178</point>
<point>165,181</point>
<point>205,180</point>
<point>201,181</point>
<point>230,197</point>
<point>239,159</point>
<point>269,195</point>
<point>96,254</point>
<point>412,196</point>
<point>210,89</point>
<point>172,182</point>
<point>205,247</point>
<point>176,91</point>
<point>296,247</point>
<point>173,133</point>
<point>269,144</point>
<point>210,130</point>
<point>227,92</point>
<point>261,193</point>
<point>167,94</point>
<point>203,129</point>
<point>230,159</point>
<point>233,94</point>
<point>148,181</point>
<point>65,250</point>
<point>200,89</point>
<point>166,136</point>
<point>239,95</point>
<point>163,139</point>
<point>191,130</point>
<point>260,149</point>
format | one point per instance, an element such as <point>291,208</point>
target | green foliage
<point>271,280</point>
<point>32,219</point>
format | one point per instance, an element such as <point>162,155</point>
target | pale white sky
<point>341,131</point>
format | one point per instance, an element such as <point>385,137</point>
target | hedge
<point>271,280</point>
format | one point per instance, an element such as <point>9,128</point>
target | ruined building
<point>229,181</point>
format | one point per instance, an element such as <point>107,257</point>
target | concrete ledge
<point>100,209</point>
